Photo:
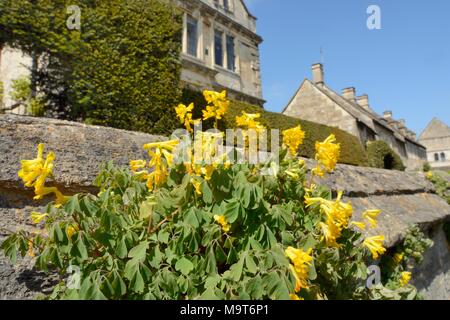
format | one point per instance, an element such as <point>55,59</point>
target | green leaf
<point>163,236</point>
<point>232,210</point>
<point>184,266</point>
<point>206,192</point>
<point>139,251</point>
<point>236,270</point>
<point>72,205</point>
<point>250,264</point>
<point>121,250</point>
<point>79,248</point>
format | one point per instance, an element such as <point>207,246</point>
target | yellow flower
<point>301,261</point>
<point>71,230</point>
<point>405,278</point>
<point>371,216</point>
<point>169,145</point>
<point>218,104</point>
<point>161,159</point>
<point>338,215</point>
<point>293,138</point>
<point>34,173</point>
<point>429,175</point>
<point>37,217</point>
<point>223,222</point>
<point>295,297</point>
<point>197,185</point>
<point>137,165</point>
<point>331,233</point>
<point>327,155</point>
<point>375,245</point>
<point>359,225</point>
<point>398,258</point>
<point>182,111</point>
<point>248,121</point>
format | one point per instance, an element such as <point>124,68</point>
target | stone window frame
<point>436,157</point>
<point>200,45</point>
<point>443,157</point>
<point>225,32</point>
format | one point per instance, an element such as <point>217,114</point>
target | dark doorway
<point>388,162</point>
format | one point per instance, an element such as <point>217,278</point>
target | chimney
<point>363,101</point>
<point>387,115</point>
<point>318,74</point>
<point>349,93</point>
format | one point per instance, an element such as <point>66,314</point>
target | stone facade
<point>13,65</point>
<point>221,48</point>
<point>436,137</point>
<point>231,62</point>
<point>405,198</point>
<point>315,101</point>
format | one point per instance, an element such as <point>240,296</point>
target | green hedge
<point>380,155</point>
<point>352,151</point>
<point>121,70</point>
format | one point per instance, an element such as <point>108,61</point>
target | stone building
<point>315,101</point>
<point>436,137</point>
<point>220,50</point>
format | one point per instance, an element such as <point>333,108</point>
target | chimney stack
<point>318,74</point>
<point>387,115</point>
<point>349,93</point>
<point>363,101</point>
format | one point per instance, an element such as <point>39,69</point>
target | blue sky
<point>404,67</point>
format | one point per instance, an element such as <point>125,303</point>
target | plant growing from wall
<point>204,228</point>
<point>398,265</point>
<point>381,155</point>
<point>122,69</point>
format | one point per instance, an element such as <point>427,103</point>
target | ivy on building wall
<point>120,69</point>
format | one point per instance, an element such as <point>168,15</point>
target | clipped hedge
<point>380,155</point>
<point>352,151</point>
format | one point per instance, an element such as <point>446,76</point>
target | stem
<point>165,220</point>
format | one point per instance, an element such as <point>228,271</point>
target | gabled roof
<point>246,9</point>
<point>367,116</point>
<point>435,129</point>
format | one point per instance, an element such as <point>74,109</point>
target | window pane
<point>218,48</point>
<point>436,157</point>
<point>226,5</point>
<point>231,65</point>
<point>442,156</point>
<point>192,36</point>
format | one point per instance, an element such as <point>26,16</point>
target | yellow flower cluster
<point>371,216</point>
<point>405,277</point>
<point>301,261</point>
<point>185,115</point>
<point>161,159</point>
<point>248,121</point>
<point>223,223</point>
<point>327,155</point>
<point>375,246</point>
<point>338,215</point>
<point>217,105</point>
<point>35,172</point>
<point>293,138</point>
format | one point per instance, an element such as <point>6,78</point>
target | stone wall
<point>405,198</point>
